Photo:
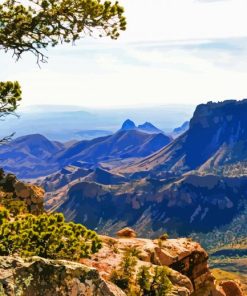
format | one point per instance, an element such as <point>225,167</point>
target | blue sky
<point>173,52</point>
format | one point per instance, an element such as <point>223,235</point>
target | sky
<point>173,52</point>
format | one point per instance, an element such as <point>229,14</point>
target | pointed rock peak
<point>128,125</point>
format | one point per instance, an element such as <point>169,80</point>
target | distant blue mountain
<point>146,127</point>
<point>34,155</point>
<point>65,123</point>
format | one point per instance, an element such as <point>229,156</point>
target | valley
<point>193,185</point>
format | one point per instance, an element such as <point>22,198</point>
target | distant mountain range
<point>34,155</point>
<point>146,127</point>
<point>65,123</point>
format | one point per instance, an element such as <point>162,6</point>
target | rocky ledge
<point>186,261</point>
<point>42,277</point>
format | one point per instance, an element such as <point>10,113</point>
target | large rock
<point>126,232</point>
<point>43,277</point>
<point>230,288</point>
<point>32,195</point>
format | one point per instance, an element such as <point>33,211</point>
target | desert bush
<point>4,214</point>
<point>133,252</point>
<point>123,276</point>
<point>142,281</point>
<point>153,283</point>
<point>48,236</point>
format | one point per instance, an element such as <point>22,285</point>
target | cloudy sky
<point>173,52</point>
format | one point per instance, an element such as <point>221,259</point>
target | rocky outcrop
<point>187,262</point>
<point>39,277</point>
<point>14,193</point>
<point>32,195</point>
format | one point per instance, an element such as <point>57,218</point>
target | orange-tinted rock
<point>126,232</point>
<point>231,288</point>
<point>32,195</point>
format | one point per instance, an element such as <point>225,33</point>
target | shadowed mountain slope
<point>123,144</point>
<point>190,204</point>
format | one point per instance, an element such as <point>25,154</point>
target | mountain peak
<point>128,125</point>
<point>149,127</point>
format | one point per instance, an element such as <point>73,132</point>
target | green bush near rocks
<point>46,235</point>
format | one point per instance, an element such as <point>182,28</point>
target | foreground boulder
<point>39,277</point>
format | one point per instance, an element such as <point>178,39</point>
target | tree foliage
<point>48,236</point>
<point>10,95</point>
<point>40,23</point>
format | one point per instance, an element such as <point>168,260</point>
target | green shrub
<point>124,275</point>
<point>160,284</point>
<point>4,214</point>
<point>153,284</point>
<point>144,281</point>
<point>48,236</point>
<point>14,206</point>
<point>133,252</point>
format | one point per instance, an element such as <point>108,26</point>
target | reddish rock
<point>126,232</point>
<point>231,288</point>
